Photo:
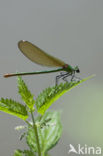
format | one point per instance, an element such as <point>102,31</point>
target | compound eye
<point>78,71</point>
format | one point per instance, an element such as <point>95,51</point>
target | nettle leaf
<point>23,153</point>
<point>14,108</point>
<point>47,154</point>
<point>28,153</point>
<point>26,95</point>
<point>51,94</point>
<point>49,134</point>
<point>18,153</point>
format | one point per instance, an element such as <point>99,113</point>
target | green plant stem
<point>28,123</point>
<point>36,134</point>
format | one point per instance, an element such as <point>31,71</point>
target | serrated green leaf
<point>47,154</point>
<point>25,93</point>
<point>28,153</point>
<point>51,94</point>
<point>14,108</point>
<point>49,135</point>
<point>18,153</point>
<point>23,153</point>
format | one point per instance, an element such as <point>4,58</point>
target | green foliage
<point>45,131</point>
<point>51,94</point>
<point>28,153</point>
<point>14,108</point>
<point>18,153</point>
<point>23,153</point>
<point>26,95</point>
<point>49,134</point>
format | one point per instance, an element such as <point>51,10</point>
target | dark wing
<point>38,56</point>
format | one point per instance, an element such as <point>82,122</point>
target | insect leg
<point>65,76</point>
<point>73,75</point>
<point>57,79</point>
<point>76,78</point>
<point>62,74</point>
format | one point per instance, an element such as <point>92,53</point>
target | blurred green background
<point>72,31</point>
